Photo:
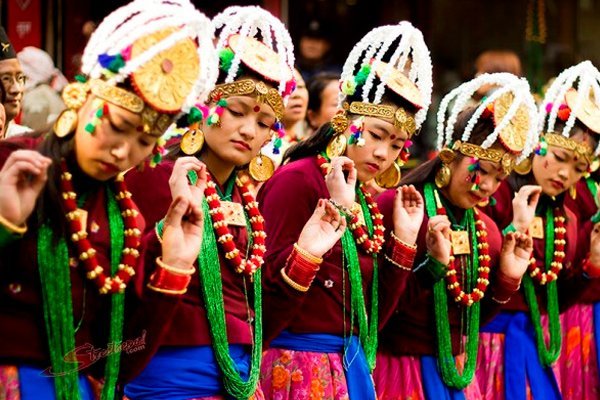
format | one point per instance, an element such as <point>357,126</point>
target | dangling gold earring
<point>390,178</point>
<point>442,177</point>
<point>192,141</point>
<point>336,146</point>
<point>261,167</point>
<point>524,167</point>
<point>74,96</point>
<point>573,192</point>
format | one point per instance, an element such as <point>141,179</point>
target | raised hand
<point>437,238</point>
<point>408,213</point>
<point>322,231</point>
<point>22,178</point>
<point>524,204</point>
<point>180,184</point>
<point>515,254</point>
<point>182,234</point>
<point>342,190</point>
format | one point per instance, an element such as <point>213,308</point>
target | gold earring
<point>340,122</point>
<point>336,146</point>
<point>524,167</point>
<point>74,96</point>
<point>573,192</point>
<point>390,178</point>
<point>192,141</point>
<point>261,168</point>
<point>442,177</point>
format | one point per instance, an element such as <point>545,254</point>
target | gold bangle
<point>307,255</point>
<point>176,271</point>
<point>166,291</point>
<point>12,228</point>
<point>403,243</point>
<point>396,264</point>
<point>293,284</point>
<point>500,301</point>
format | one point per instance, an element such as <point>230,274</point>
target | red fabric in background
<point>24,23</point>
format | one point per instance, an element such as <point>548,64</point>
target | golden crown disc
<point>260,58</point>
<point>165,81</point>
<point>514,135</point>
<point>588,113</point>
<point>399,83</point>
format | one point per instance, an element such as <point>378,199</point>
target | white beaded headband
<point>374,46</point>
<point>588,78</point>
<point>507,83</point>
<point>249,21</point>
<point>124,26</point>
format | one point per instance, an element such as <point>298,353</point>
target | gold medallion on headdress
<point>514,135</point>
<point>399,83</point>
<point>588,113</point>
<point>260,58</point>
<point>165,81</point>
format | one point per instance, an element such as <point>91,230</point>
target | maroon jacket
<point>186,323</point>
<point>411,330</point>
<point>287,201</point>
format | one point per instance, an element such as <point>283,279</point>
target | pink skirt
<point>300,375</point>
<point>399,378</point>
<point>577,367</point>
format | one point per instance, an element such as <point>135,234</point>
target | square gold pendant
<point>536,229</point>
<point>460,242</point>
<point>233,213</point>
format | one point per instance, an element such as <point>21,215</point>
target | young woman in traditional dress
<point>429,346</point>
<point>325,297</point>
<point>522,344</point>
<point>211,344</point>
<point>69,230</point>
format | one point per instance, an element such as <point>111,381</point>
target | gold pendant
<point>536,229</point>
<point>460,242</point>
<point>192,141</point>
<point>83,215</point>
<point>233,213</point>
<point>336,146</point>
<point>261,168</point>
<point>66,123</point>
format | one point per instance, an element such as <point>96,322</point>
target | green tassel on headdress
<point>226,57</point>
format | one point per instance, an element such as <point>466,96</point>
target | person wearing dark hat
<point>13,83</point>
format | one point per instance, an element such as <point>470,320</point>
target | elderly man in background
<point>42,103</point>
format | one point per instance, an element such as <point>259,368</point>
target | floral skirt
<point>577,366</point>
<point>302,375</point>
<point>399,378</point>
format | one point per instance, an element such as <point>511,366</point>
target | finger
<point>28,156</point>
<point>352,176</point>
<point>20,168</point>
<point>176,211</point>
<point>399,199</point>
<point>417,195</point>
<point>509,242</point>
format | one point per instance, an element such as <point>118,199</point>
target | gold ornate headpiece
<point>396,115</point>
<point>581,149</point>
<point>506,159</point>
<point>250,87</point>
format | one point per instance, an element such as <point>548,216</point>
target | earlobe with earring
<point>443,175</point>
<point>192,140</point>
<point>261,167</point>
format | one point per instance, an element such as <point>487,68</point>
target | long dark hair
<point>426,171</point>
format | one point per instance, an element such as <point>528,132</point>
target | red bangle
<point>300,269</point>
<point>403,254</point>
<point>165,279</point>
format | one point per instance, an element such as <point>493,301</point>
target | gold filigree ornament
<point>580,149</point>
<point>165,81</point>
<point>74,96</point>
<point>192,141</point>
<point>260,58</point>
<point>524,167</point>
<point>339,122</point>
<point>390,178</point>
<point>250,87</point>
<point>514,135</point>
<point>396,115</point>
<point>588,113</point>
<point>336,146</point>
<point>261,168</point>
<point>398,83</point>
<point>505,159</point>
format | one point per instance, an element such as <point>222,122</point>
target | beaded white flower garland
<point>374,45</point>
<point>587,77</point>
<point>508,83</point>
